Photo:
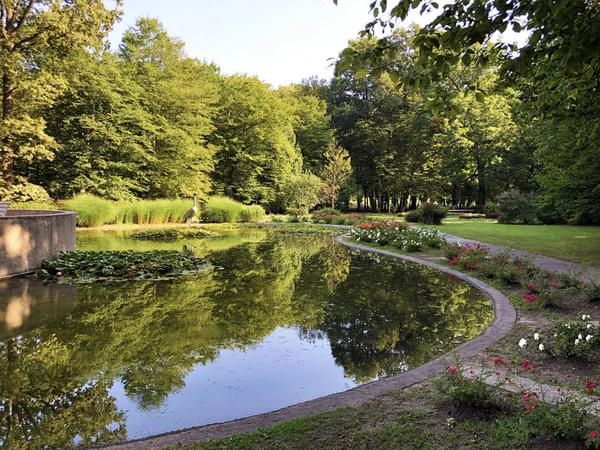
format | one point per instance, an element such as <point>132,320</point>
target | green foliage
<point>23,191</point>
<point>91,211</point>
<point>517,208</point>
<point>432,214</point>
<point>34,205</point>
<point>171,234</point>
<point>413,215</point>
<point>428,213</point>
<point>255,136</point>
<point>576,338</point>
<point>218,209</point>
<point>336,172</point>
<point>88,267</point>
<point>465,392</point>
<point>300,193</point>
<point>252,213</point>
<point>567,420</point>
<point>321,213</point>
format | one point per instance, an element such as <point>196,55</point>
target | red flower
<point>527,408</point>
<point>452,370</point>
<point>593,435</point>
<point>499,361</point>
<point>526,398</point>
<point>531,287</point>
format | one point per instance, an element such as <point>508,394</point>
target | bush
<point>428,213</point>
<point>321,213</point>
<point>23,191</point>
<point>252,213</point>
<point>432,214</point>
<point>517,208</point>
<point>220,209</point>
<point>472,216</point>
<point>91,211</point>
<point>413,216</point>
<point>490,207</point>
<point>572,338</point>
<point>462,391</point>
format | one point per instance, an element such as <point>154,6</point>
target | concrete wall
<point>28,237</point>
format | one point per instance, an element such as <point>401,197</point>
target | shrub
<point>462,391</point>
<point>591,291</point>
<point>33,205</point>
<point>23,191</point>
<point>321,213</point>
<point>252,213</point>
<point>220,209</point>
<point>517,208</point>
<point>91,211</point>
<point>570,338</point>
<point>413,216</point>
<point>490,207</point>
<point>432,213</point>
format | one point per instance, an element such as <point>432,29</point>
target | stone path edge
<point>504,318</point>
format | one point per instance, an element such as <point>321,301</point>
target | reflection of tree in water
<point>54,381</point>
<point>46,398</point>
<point>147,335</point>
<point>390,316</point>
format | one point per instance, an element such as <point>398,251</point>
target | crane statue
<point>190,213</point>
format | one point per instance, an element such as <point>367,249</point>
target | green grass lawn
<point>577,244</point>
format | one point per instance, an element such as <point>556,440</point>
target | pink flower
<point>527,408</point>
<point>593,435</point>
<point>452,370</point>
<point>531,287</point>
<point>526,398</point>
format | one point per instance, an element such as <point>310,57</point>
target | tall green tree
<point>336,172</point>
<point>179,95</point>
<point>311,125</point>
<point>254,132</point>
<point>35,36</point>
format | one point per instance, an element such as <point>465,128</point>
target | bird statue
<point>190,213</point>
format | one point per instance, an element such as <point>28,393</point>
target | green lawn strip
<point>409,419</point>
<point>577,244</point>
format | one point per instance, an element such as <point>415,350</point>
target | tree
<point>311,125</point>
<point>35,35</point>
<point>179,95</point>
<point>336,172</point>
<point>564,32</point>
<point>257,154</point>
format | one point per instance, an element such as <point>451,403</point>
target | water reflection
<point>278,321</point>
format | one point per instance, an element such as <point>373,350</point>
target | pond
<point>278,320</point>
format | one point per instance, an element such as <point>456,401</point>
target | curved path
<point>504,319</point>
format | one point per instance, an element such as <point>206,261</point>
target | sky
<point>280,41</point>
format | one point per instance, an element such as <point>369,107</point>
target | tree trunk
<point>8,151</point>
<point>482,188</point>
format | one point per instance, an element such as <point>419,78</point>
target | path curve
<point>504,319</point>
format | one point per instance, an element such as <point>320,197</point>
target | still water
<point>278,320</point>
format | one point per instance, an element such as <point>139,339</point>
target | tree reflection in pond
<point>380,316</point>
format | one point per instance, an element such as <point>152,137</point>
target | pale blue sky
<point>280,41</point>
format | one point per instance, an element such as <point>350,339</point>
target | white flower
<point>577,341</point>
<point>588,337</point>
<point>541,347</point>
<point>583,317</point>
<point>536,336</point>
<point>589,325</point>
<point>523,343</point>
<point>580,336</point>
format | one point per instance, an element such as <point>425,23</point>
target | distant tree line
<point>148,121</point>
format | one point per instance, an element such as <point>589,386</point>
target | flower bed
<point>498,265</point>
<point>399,235</point>
<point>472,216</point>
